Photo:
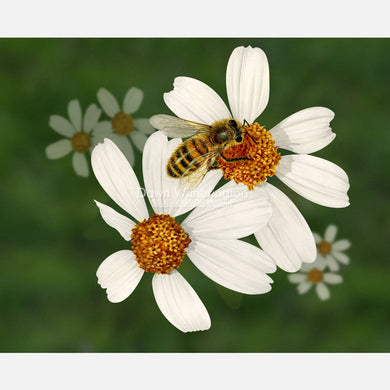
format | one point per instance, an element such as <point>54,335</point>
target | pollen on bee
<point>159,244</point>
<point>259,157</point>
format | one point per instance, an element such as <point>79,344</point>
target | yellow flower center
<point>262,154</point>
<point>324,247</point>
<point>159,244</point>
<point>81,142</point>
<point>315,275</point>
<point>122,123</point>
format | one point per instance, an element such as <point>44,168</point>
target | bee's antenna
<point>250,137</point>
<point>246,122</point>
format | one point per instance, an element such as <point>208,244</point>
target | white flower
<point>287,237</point>
<point>331,251</point>
<point>312,274</point>
<point>123,125</point>
<point>159,243</point>
<point>78,135</point>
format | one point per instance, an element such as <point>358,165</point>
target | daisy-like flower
<point>313,274</point>
<point>123,127</point>
<point>77,131</point>
<point>208,235</point>
<point>287,237</point>
<point>331,251</point>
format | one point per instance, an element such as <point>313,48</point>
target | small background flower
<point>313,275</point>
<point>331,250</point>
<point>123,127</point>
<point>77,130</point>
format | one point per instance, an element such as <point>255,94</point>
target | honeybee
<point>194,157</point>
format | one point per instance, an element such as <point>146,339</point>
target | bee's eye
<point>239,138</point>
<point>232,123</point>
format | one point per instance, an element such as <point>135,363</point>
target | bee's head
<point>237,130</point>
<point>233,124</point>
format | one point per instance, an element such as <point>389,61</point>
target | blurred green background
<point>53,240</point>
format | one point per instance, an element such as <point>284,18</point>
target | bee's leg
<point>235,159</point>
<point>210,164</point>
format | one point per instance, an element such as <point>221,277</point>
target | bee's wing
<point>193,179</point>
<point>175,127</point>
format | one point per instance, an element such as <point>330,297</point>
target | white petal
<point>108,102</point>
<point>80,164</point>
<point>330,233</point>
<point>315,179</point>
<point>143,125</point>
<point>341,257</point>
<point>306,131</point>
<point>233,264</point>
<point>317,238</point>
<point>102,130</point>
<point>165,194</point>
<point>247,82</point>
<point>132,100</point>
<point>304,287</point>
<point>74,112</point>
<point>322,291</point>
<point>306,267</point>
<point>61,125</point>
<point>119,274</point>
<point>193,100</point>
<point>320,257</point>
<point>157,183</point>
<point>332,264</point>
<point>230,212</point>
<point>116,220</point>
<point>179,302</point>
<point>332,278</point>
<point>297,278</point>
<point>139,139</point>
<point>287,237</point>
<point>58,149</point>
<point>118,179</point>
<point>186,200</point>
<point>124,145</point>
<point>319,263</point>
<point>341,245</point>
<point>91,117</point>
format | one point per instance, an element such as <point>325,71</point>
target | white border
<point>200,18</point>
<point>195,371</point>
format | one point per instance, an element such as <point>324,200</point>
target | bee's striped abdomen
<point>185,159</point>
